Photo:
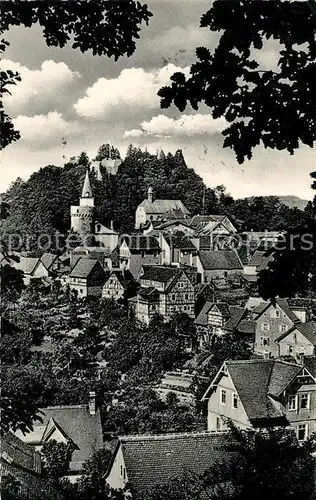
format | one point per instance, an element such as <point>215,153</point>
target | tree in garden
<point>97,26</point>
<point>273,107</point>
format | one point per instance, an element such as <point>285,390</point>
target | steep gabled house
<point>23,462</point>
<point>298,341</point>
<point>77,424</point>
<point>263,393</point>
<point>271,321</point>
<point>175,291</point>
<point>137,250</point>
<point>51,262</point>
<point>215,264</point>
<point>117,284</point>
<point>87,278</point>
<point>32,268</point>
<point>106,236</point>
<point>210,321</point>
<point>148,460</point>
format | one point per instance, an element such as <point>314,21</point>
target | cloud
<point>187,125</point>
<point>40,130</point>
<point>132,90</point>
<point>52,78</point>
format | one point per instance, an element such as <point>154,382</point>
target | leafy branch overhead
<point>274,108</point>
<point>106,27</point>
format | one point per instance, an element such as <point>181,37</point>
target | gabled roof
<point>200,221</point>
<point>149,293</point>
<point>202,318</point>
<point>27,264</point>
<point>236,314</point>
<point>260,260</point>
<point>19,454</point>
<point>179,241</point>
<point>259,383</point>
<point>84,267</point>
<point>83,429</point>
<point>163,206</point>
<point>220,259</point>
<point>151,460</point>
<point>162,274</point>
<point>282,303</point>
<point>175,214</point>
<point>308,330</point>
<point>48,259</point>
<point>169,223</point>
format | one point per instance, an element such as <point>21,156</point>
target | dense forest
<point>42,203</point>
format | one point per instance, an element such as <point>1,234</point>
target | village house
<point>22,462</point>
<point>298,341</point>
<point>102,254</point>
<point>32,268</point>
<point>153,210</point>
<point>170,226</point>
<point>164,290</point>
<point>210,322</point>
<point>208,223</point>
<point>215,264</point>
<point>51,262</point>
<point>263,393</point>
<point>117,284</point>
<point>77,424</point>
<point>271,320</point>
<point>144,461</point>
<point>87,278</point>
<point>177,249</point>
<point>136,250</point>
<point>105,236</point>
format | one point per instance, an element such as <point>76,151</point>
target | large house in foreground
<point>148,460</point>
<point>263,393</point>
<point>77,424</point>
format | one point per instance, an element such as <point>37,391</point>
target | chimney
<point>150,194</point>
<point>92,403</point>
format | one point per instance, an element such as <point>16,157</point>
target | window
<point>223,396</point>
<point>109,291</point>
<point>81,290</point>
<point>292,402</point>
<point>121,471</point>
<point>173,296</point>
<point>283,328</point>
<point>235,401</point>
<point>184,308</point>
<point>186,296</point>
<point>305,401</point>
<point>294,338</point>
<point>124,474</point>
<point>180,284</point>
<point>277,313</point>
<point>265,341</point>
<point>302,431</point>
<point>265,327</point>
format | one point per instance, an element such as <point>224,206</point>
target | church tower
<point>82,215</point>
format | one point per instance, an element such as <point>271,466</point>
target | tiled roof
<point>20,454</point>
<point>151,460</point>
<point>175,213</point>
<point>247,326</point>
<point>199,221</point>
<point>149,293</point>
<point>258,382</point>
<point>76,422</point>
<point>202,317</point>
<point>310,363</point>
<point>220,259</point>
<point>27,264</point>
<point>260,260</point>
<point>163,206</point>
<point>48,259</point>
<point>306,329</point>
<point>162,274</point>
<point>236,313</point>
<point>84,267</point>
<point>169,223</point>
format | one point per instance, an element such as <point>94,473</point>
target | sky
<point>85,101</point>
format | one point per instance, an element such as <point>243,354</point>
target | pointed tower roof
<point>86,190</point>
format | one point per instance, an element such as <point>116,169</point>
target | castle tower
<point>82,215</point>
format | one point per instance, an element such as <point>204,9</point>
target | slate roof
<point>259,383</point>
<point>160,274</point>
<point>84,267</point>
<point>163,206</point>
<point>48,259</point>
<point>150,460</point>
<point>220,259</point>
<point>306,329</point>
<point>20,454</point>
<point>76,422</point>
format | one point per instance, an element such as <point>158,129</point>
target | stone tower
<point>82,215</point>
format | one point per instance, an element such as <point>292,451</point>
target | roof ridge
<point>157,437</point>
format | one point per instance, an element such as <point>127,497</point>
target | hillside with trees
<point>41,205</point>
